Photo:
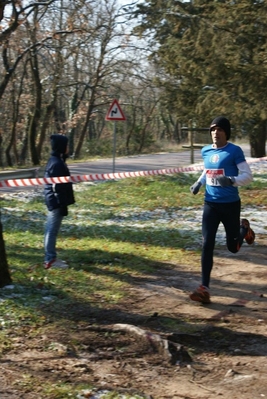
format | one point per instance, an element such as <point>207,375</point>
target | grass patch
<point>116,233</point>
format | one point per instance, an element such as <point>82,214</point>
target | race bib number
<point>212,175</point>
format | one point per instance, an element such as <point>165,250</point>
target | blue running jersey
<point>221,162</point>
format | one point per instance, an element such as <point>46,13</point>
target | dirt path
<point>226,340</point>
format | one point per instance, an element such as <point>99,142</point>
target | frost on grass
<point>185,220</point>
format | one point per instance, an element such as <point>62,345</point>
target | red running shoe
<point>201,294</point>
<point>250,236</point>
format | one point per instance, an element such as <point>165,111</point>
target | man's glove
<point>195,188</point>
<point>63,211</point>
<point>225,181</point>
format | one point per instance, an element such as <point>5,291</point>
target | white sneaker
<point>56,264</point>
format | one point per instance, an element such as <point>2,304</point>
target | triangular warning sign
<point>115,112</point>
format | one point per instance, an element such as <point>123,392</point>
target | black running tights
<point>213,214</point>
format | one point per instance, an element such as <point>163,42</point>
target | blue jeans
<point>53,223</point>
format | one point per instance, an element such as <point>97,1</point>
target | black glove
<point>63,211</point>
<point>225,181</point>
<point>195,188</point>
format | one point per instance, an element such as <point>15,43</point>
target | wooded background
<point>169,63</point>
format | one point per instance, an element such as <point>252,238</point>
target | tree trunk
<point>25,141</point>
<point>71,132</point>
<point>1,152</point>
<point>36,113</point>
<point>32,136</point>
<point>2,8</point>
<point>8,149</point>
<point>14,118</point>
<point>5,278</point>
<point>48,112</point>
<point>37,94</point>
<point>257,140</point>
<point>85,127</point>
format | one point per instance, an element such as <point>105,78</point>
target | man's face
<point>218,136</point>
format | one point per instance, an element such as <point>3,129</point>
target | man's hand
<point>225,181</point>
<point>195,188</point>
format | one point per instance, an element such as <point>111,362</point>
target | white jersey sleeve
<point>245,175</point>
<point>202,178</point>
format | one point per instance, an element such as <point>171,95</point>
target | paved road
<point>134,163</point>
<point>142,162</point>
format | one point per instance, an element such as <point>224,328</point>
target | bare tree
<point>8,68</point>
<point>66,60</point>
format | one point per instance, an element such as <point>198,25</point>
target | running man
<point>225,168</point>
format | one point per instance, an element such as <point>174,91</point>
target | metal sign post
<point>114,146</point>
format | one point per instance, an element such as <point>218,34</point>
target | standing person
<point>57,198</point>
<point>225,168</point>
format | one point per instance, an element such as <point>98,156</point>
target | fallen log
<point>171,351</point>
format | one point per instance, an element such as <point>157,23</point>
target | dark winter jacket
<point>58,195</point>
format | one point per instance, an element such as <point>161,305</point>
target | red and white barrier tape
<point>103,176</point>
<point>95,177</point>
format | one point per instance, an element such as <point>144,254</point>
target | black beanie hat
<point>223,123</point>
